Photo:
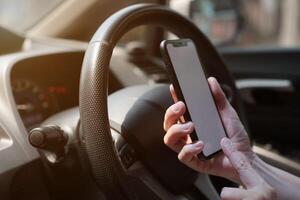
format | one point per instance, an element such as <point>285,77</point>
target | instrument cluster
<point>42,88</point>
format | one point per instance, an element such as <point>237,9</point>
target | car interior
<point>84,90</point>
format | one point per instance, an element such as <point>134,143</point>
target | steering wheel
<point>105,164</point>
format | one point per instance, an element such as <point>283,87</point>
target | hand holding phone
<point>178,136</point>
<point>191,87</point>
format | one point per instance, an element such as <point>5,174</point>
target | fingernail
<point>226,141</point>
<point>198,144</point>
<point>224,189</point>
<point>212,79</point>
<point>187,126</point>
<point>227,145</point>
<point>215,80</point>
<point>176,107</point>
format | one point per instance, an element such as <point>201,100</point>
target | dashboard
<point>45,85</point>
<point>37,82</point>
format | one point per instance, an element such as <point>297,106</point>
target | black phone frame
<point>177,88</point>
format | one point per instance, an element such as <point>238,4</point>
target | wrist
<point>260,166</point>
<point>276,179</point>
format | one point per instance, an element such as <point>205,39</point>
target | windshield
<point>245,22</point>
<point>20,15</point>
<point>228,22</point>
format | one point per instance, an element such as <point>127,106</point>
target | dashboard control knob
<point>49,138</point>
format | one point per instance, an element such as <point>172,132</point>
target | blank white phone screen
<point>197,96</point>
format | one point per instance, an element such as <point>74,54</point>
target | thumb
<point>218,94</point>
<point>247,174</point>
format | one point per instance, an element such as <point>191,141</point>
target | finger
<point>190,151</point>
<point>228,114</point>
<point>174,96</point>
<point>218,93</point>
<point>233,193</point>
<point>173,114</point>
<point>175,138</point>
<point>247,174</point>
<point>188,156</point>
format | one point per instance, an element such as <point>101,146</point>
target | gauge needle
<point>28,107</point>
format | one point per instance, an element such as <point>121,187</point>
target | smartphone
<point>190,83</point>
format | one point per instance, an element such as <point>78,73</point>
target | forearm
<point>287,186</point>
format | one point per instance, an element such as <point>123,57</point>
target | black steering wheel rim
<point>105,164</point>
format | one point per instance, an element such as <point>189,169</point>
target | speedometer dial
<point>33,102</point>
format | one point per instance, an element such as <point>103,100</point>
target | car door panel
<point>269,84</point>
